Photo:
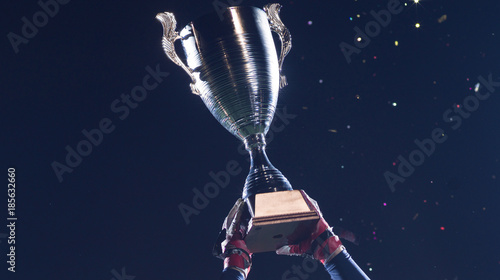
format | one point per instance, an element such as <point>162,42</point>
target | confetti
<point>332,130</point>
<point>417,25</point>
<point>347,235</point>
<point>442,18</point>
<point>476,87</point>
<point>415,217</point>
<point>396,43</point>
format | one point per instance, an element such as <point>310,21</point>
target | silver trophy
<point>235,70</point>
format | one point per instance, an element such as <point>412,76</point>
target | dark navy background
<point>116,214</point>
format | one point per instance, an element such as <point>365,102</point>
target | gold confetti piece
<point>415,217</point>
<point>476,87</point>
<point>442,18</point>
<point>305,108</point>
<point>396,43</point>
<point>332,130</point>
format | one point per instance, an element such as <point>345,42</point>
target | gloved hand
<point>321,245</point>
<point>230,245</point>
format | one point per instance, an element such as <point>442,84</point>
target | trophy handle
<point>273,11</point>
<point>169,37</point>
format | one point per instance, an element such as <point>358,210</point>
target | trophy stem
<point>263,176</point>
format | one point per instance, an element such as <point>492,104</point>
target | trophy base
<point>278,218</point>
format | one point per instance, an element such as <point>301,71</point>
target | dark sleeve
<point>231,274</point>
<point>343,267</point>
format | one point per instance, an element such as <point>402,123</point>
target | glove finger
<point>313,202</point>
<point>232,213</point>
<point>289,250</point>
<point>234,225</point>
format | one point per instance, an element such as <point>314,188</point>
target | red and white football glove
<point>230,246</point>
<point>321,245</point>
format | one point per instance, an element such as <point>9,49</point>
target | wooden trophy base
<point>279,218</point>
